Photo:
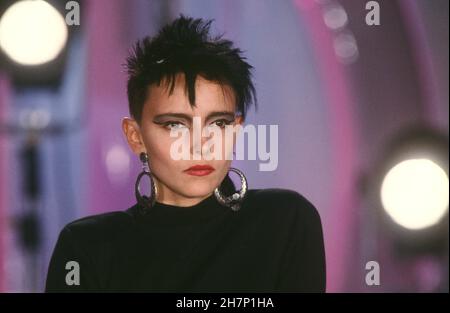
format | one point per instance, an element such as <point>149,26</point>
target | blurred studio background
<point>358,89</point>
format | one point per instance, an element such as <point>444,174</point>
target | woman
<point>195,232</point>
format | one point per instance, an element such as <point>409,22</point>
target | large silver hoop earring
<point>146,202</point>
<point>235,200</point>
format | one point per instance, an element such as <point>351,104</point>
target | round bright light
<point>32,32</point>
<point>335,17</point>
<point>415,193</point>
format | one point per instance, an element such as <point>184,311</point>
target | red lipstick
<point>199,170</point>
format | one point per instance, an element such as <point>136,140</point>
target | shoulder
<point>100,227</point>
<point>281,198</point>
<point>286,202</point>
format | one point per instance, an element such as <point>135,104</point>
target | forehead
<point>209,96</point>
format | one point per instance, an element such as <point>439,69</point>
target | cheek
<point>221,167</point>
<point>157,143</point>
<point>227,144</point>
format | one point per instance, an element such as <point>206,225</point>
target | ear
<point>133,135</point>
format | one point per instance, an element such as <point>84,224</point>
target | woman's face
<point>215,106</point>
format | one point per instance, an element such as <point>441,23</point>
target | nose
<point>198,141</point>
<point>196,138</point>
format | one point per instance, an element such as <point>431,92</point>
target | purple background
<point>334,119</point>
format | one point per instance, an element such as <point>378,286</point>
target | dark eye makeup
<point>223,122</point>
<point>169,124</point>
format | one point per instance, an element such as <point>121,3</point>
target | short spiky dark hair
<point>185,46</point>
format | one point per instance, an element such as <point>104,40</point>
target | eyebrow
<point>189,117</point>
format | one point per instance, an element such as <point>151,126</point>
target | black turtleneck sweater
<point>274,243</point>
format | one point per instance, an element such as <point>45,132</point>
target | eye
<point>174,125</point>
<point>222,123</point>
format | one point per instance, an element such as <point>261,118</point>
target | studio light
<point>415,193</point>
<point>32,32</point>
<point>412,187</point>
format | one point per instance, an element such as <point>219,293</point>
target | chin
<point>198,189</point>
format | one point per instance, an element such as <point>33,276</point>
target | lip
<point>199,170</point>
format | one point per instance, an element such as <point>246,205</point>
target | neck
<point>170,197</point>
